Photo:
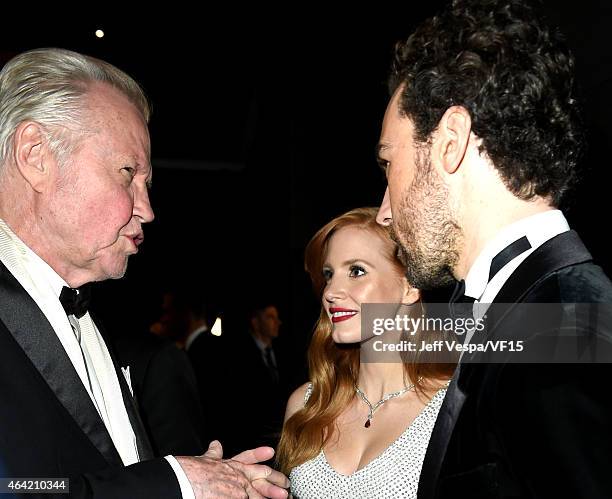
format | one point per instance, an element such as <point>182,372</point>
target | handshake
<point>211,476</point>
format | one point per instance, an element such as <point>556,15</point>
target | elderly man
<point>480,143</point>
<point>74,173</point>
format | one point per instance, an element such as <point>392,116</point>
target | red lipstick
<point>341,314</point>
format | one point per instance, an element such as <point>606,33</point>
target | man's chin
<point>429,279</point>
<point>116,271</point>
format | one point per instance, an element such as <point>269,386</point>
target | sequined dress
<point>393,474</point>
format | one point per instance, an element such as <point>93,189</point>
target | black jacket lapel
<point>442,431</point>
<point>145,452</point>
<point>31,329</point>
<point>561,251</point>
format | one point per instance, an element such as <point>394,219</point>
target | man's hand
<point>240,477</point>
<point>211,478</point>
<point>268,482</point>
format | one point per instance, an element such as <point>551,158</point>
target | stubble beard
<point>425,230</point>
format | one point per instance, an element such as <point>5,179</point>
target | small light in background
<point>99,33</point>
<point>216,329</point>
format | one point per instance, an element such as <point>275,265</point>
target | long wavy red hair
<point>334,368</point>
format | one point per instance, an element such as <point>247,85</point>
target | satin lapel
<point>561,251</point>
<point>32,331</point>
<point>442,431</point>
<point>555,254</point>
<point>145,451</point>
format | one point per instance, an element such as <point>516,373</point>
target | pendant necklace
<point>389,396</point>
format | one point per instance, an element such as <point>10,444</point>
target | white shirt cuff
<point>184,484</point>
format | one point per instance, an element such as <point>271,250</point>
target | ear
<point>410,295</point>
<point>30,154</point>
<point>452,138</point>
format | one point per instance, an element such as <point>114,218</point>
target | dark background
<point>263,129</point>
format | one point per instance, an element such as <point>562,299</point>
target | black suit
<point>529,430</point>
<point>264,391</point>
<point>206,355</point>
<point>48,424</point>
<point>166,390</point>
<point>244,405</point>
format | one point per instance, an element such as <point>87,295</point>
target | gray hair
<point>48,86</point>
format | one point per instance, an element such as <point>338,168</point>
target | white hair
<point>48,86</point>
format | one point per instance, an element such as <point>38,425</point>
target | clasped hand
<point>211,476</point>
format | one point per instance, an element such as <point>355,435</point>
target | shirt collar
<point>260,344</point>
<point>194,334</point>
<point>41,270</point>
<point>537,228</point>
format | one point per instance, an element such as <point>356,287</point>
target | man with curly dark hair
<point>480,144</point>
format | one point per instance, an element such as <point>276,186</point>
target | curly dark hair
<point>513,74</point>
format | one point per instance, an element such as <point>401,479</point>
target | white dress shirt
<point>83,345</point>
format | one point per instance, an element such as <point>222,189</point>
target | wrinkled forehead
<point>105,104</point>
<point>113,118</point>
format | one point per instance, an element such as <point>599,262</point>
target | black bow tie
<point>508,254</point>
<point>458,295</point>
<point>460,305</point>
<point>75,302</point>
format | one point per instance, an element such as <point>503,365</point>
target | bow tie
<point>75,302</point>
<point>460,305</point>
<point>499,261</point>
<point>459,296</point>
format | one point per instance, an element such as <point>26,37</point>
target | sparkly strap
<point>308,393</point>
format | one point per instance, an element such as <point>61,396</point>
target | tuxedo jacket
<point>212,366</point>
<point>166,390</point>
<point>244,407</point>
<point>49,426</point>
<point>529,430</point>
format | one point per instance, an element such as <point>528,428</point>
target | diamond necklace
<point>387,397</point>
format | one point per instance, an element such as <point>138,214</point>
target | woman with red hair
<point>358,429</point>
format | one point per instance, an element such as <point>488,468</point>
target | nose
<point>384,216</point>
<point>334,291</point>
<point>142,206</point>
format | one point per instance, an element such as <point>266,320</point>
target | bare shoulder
<point>296,401</point>
<point>432,386</point>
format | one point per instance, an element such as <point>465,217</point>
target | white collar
<point>537,228</point>
<point>42,270</point>
<point>194,334</point>
<point>260,344</point>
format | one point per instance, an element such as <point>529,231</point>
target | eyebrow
<point>350,262</point>
<point>355,260</point>
<point>149,181</point>
<point>380,147</point>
